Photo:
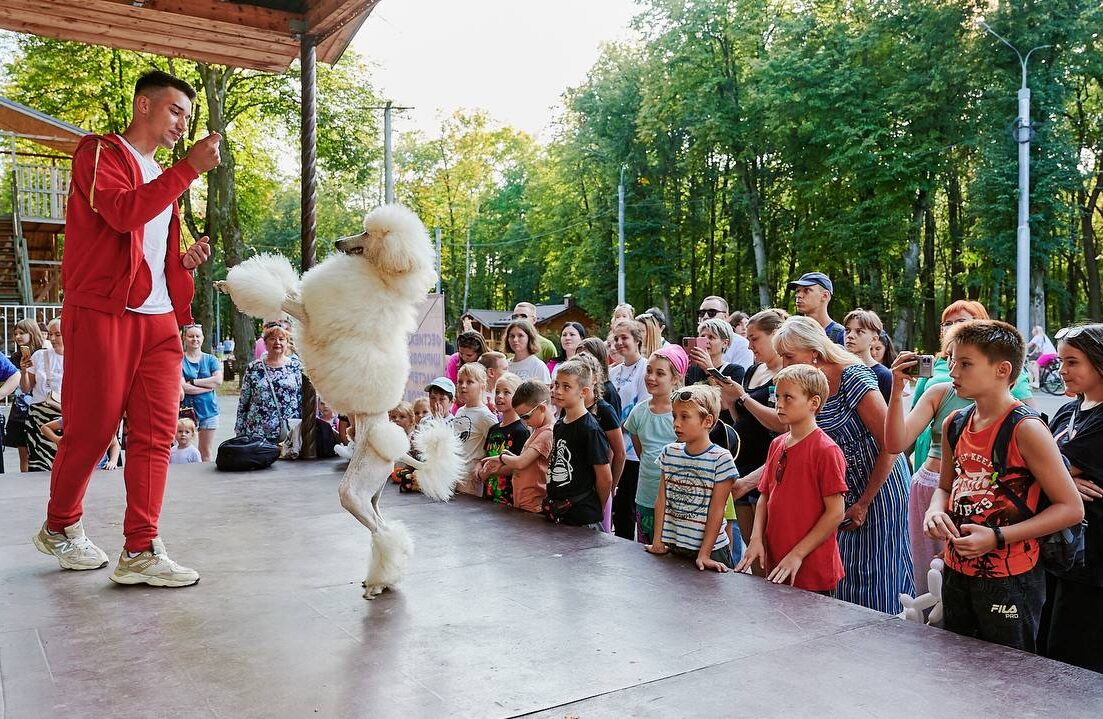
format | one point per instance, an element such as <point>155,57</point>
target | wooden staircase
<point>44,253</point>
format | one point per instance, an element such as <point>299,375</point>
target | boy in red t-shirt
<point>802,486</point>
<point>993,587</point>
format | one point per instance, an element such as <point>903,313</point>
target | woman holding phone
<point>706,352</point>
<point>28,340</point>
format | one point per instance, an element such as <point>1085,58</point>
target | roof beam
<point>325,17</point>
<point>220,11</point>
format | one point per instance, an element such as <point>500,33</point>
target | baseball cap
<point>444,384</point>
<point>813,278</point>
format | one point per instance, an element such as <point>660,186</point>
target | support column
<point>309,145</point>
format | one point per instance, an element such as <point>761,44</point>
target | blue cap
<point>442,383</point>
<point>813,278</point>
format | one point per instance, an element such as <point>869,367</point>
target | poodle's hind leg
<point>390,553</point>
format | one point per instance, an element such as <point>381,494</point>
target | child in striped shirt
<point>695,483</point>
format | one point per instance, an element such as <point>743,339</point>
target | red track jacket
<point>102,266</point>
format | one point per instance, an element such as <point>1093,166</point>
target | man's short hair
<point>996,340</point>
<point>716,298</point>
<point>811,380</point>
<point>528,306</point>
<point>156,80</point>
<point>531,392</point>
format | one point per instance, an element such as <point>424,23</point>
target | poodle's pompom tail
<point>260,284</point>
<point>441,465</point>
<point>388,440</point>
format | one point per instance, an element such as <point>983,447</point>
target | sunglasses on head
<point>1068,333</point>
<point>193,327</point>
<point>710,313</point>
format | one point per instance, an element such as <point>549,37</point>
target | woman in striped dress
<point>873,538</point>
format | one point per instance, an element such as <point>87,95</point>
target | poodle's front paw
<point>371,591</point>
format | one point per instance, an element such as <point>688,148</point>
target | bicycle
<point>1049,377</point>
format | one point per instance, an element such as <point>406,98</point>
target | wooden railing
<point>42,191</point>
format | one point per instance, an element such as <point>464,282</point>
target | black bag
<point>241,454</point>
<point>1060,551</point>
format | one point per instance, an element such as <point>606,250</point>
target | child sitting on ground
<point>529,469</point>
<point>993,586</point>
<point>651,427</point>
<point>579,477</point>
<point>802,488</point>
<point>52,431</point>
<point>696,479</point>
<point>506,436</point>
<point>185,451</point>
<point>471,424</point>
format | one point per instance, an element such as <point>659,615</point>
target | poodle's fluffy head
<point>395,242</point>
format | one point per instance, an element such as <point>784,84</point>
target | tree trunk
<point>930,307</point>
<point>955,224</point>
<point>1091,252</point>
<point>223,222</point>
<point>905,298</point>
<point>748,178</point>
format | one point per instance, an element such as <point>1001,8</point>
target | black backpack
<point>241,454</point>
<point>1060,551</point>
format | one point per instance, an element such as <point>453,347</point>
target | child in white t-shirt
<point>184,451</point>
<point>471,423</point>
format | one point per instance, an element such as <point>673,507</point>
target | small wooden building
<point>549,321</point>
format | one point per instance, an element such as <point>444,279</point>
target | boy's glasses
<point>524,417</point>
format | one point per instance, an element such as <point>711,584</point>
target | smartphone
<point>699,342</point>
<point>924,366</point>
<point>25,350</point>
<point>716,374</point>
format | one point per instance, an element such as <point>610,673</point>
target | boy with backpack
<point>987,506</point>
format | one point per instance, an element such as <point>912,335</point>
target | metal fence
<point>11,314</point>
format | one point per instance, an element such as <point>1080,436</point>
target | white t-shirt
<point>532,367</point>
<point>739,352</point>
<point>471,425</point>
<point>187,455</point>
<point>47,367</point>
<point>154,244</point>
<point>629,383</point>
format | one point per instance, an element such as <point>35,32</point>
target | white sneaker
<point>153,567</point>
<point>73,549</point>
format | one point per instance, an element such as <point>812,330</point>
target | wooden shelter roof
<point>258,34</point>
<point>39,127</point>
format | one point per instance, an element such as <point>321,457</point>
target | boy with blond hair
<point>695,482</point>
<point>802,488</point>
<point>471,423</point>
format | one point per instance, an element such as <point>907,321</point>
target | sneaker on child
<point>72,548</point>
<point>153,567</point>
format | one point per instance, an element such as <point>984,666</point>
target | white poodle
<point>353,316</point>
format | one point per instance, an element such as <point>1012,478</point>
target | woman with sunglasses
<point>1075,630</point>
<point>202,376</point>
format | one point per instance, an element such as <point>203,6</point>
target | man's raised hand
<point>203,155</point>
<point>197,254</point>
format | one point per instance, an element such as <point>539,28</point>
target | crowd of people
<point>806,451</point>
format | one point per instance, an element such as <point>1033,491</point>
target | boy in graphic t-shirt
<point>993,587</point>
<point>802,487</point>
<point>579,475</point>
<point>509,434</point>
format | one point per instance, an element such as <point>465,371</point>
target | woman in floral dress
<point>271,388</point>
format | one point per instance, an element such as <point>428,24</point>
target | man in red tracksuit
<point>128,288</point>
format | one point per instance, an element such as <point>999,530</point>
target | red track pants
<point>117,363</point>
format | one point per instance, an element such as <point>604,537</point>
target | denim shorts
<point>209,423</point>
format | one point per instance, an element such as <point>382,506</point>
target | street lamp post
<point>620,237</point>
<point>1023,131</point>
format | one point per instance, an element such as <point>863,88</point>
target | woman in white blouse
<point>41,382</point>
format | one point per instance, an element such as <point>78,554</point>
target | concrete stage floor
<point>502,615</point>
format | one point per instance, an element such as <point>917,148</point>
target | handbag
<point>243,454</point>
<point>285,427</point>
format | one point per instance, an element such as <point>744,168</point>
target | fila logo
<point>1008,612</point>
